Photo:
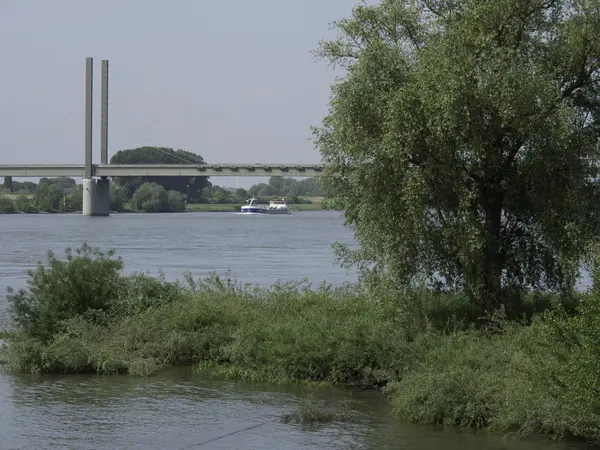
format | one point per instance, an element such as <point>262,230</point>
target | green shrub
<point>176,201</point>
<point>118,198</point>
<point>541,378</point>
<point>152,197</point>
<point>7,206</point>
<point>88,280</point>
<point>459,381</point>
<point>24,204</point>
<point>140,292</point>
<point>521,370</point>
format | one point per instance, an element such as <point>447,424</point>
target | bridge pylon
<point>96,191</point>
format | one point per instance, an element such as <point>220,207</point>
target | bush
<point>74,201</point>
<point>140,292</point>
<point>48,197</point>
<point>7,206</point>
<point>25,205</point>
<point>541,378</point>
<point>118,198</point>
<point>526,371</point>
<point>176,201</point>
<point>86,281</point>
<point>152,197</point>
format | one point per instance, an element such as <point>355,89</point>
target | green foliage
<point>118,198</point>
<point>535,374</point>
<point>48,197</point>
<point>24,204</point>
<point>24,187</point>
<point>7,206</point>
<point>217,194</point>
<point>311,412</point>
<point>462,142</point>
<point>87,281</point>
<point>176,201</point>
<point>8,184</point>
<point>65,183</point>
<point>287,187</point>
<point>536,379</point>
<point>191,187</point>
<point>277,187</point>
<point>74,201</point>
<point>152,197</point>
<point>241,195</point>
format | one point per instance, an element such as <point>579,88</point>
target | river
<point>178,409</point>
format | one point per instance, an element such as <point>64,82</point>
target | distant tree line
<point>149,194</point>
<point>200,189</point>
<point>60,194</point>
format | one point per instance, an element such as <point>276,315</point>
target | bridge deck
<point>182,170</point>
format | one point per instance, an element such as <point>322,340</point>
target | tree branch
<point>583,78</point>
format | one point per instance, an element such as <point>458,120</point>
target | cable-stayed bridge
<point>96,177</point>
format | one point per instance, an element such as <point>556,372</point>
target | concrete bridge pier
<point>96,197</point>
<point>96,191</point>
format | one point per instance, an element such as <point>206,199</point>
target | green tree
<point>118,198</point>
<point>7,206</point>
<point>8,184</point>
<point>189,186</point>
<point>221,195</point>
<point>86,280</point>
<point>280,185</point>
<point>74,201</point>
<point>241,195</point>
<point>176,201</point>
<point>152,197</point>
<point>48,197</point>
<point>25,187</point>
<point>462,141</point>
<point>24,204</point>
<point>309,187</point>
<point>65,183</point>
<point>262,190</point>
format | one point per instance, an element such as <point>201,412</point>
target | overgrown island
<point>462,146</point>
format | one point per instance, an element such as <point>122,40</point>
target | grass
<point>310,412</point>
<point>533,371</point>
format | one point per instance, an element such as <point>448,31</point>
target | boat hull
<point>263,211</point>
<point>274,207</point>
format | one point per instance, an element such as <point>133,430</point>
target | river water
<point>178,409</point>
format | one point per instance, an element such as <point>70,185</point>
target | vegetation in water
<point>462,146</point>
<point>311,412</point>
<point>531,370</point>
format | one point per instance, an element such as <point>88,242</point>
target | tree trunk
<point>493,261</point>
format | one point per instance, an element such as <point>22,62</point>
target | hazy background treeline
<point>149,194</point>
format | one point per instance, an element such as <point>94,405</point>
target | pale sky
<point>232,80</point>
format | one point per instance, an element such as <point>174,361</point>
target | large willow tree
<point>462,141</point>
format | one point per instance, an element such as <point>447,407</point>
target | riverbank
<point>190,207</point>
<point>528,377</point>
<point>215,207</point>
